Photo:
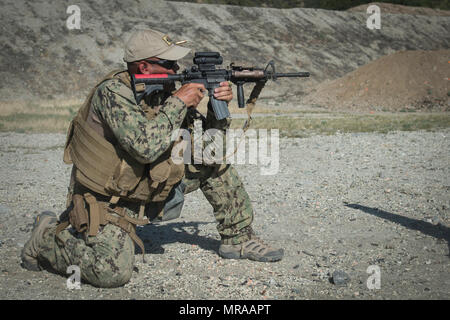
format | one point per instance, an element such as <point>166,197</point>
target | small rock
<point>100,41</point>
<point>271,282</point>
<point>340,278</point>
<point>4,209</point>
<point>248,282</point>
<point>436,220</point>
<point>296,290</point>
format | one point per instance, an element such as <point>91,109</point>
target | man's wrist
<point>179,101</point>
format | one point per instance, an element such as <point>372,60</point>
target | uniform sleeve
<point>145,140</point>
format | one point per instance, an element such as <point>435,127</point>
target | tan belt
<point>100,215</point>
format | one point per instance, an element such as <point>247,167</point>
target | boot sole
<point>30,265</point>
<point>236,255</point>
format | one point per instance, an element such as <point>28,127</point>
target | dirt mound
<point>403,80</point>
<point>399,9</point>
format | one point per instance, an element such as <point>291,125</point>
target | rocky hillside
<point>41,59</point>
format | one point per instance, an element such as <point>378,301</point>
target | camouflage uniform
<point>106,260</point>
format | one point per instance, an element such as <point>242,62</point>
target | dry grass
<point>55,117</point>
<point>303,126</point>
<point>34,117</point>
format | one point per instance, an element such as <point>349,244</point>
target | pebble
<point>272,282</point>
<point>340,278</point>
<point>296,290</point>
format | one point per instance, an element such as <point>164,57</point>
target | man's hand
<point>191,94</point>
<point>224,92</point>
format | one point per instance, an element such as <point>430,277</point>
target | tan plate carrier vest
<point>103,167</point>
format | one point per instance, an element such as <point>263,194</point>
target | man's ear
<point>143,67</point>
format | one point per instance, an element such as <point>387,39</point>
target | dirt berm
<point>401,81</point>
<point>41,59</point>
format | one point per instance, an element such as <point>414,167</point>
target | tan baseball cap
<point>147,43</point>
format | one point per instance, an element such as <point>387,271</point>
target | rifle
<point>204,71</point>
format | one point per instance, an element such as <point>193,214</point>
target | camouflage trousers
<point>107,259</point>
<point>225,191</point>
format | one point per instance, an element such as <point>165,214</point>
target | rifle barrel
<point>291,75</point>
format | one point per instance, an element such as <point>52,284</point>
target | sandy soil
<point>338,203</point>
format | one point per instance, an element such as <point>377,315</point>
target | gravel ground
<point>338,205</point>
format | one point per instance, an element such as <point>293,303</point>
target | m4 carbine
<point>204,71</point>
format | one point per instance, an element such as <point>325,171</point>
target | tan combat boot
<point>253,249</point>
<point>30,250</point>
